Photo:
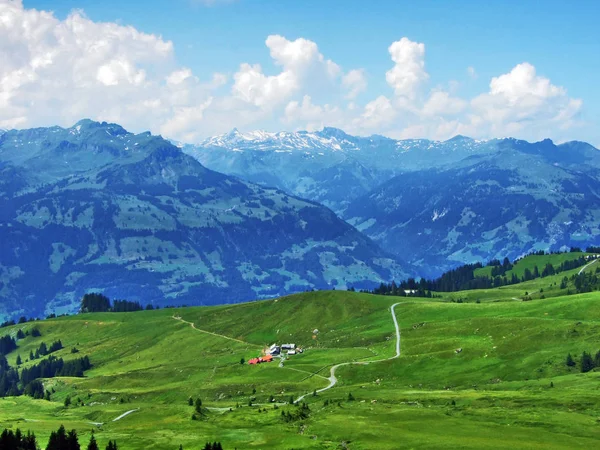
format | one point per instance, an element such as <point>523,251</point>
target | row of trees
<point>62,439</point>
<point>463,278</point>
<point>209,446</point>
<point>13,384</point>
<point>95,302</point>
<point>59,440</point>
<point>11,322</point>
<point>587,362</point>
<point>55,367</point>
<point>500,268</point>
<point>17,440</point>
<point>7,344</point>
<point>23,334</point>
<point>586,282</point>
<point>301,412</point>
<point>44,350</point>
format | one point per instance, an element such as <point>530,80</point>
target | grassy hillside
<point>529,262</point>
<point>495,393</point>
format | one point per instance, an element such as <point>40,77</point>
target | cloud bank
<point>59,71</point>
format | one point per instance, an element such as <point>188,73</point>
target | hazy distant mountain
<point>327,166</point>
<point>93,207</point>
<point>434,204</point>
<point>522,198</point>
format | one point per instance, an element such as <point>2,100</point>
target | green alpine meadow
<point>479,368</point>
<point>287,225</point>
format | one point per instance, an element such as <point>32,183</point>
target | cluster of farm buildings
<point>276,351</point>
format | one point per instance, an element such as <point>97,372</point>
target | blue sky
<point>554,95</point>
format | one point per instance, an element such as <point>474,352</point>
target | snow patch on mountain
<point>438,214</point>
<point>264,140</point>
<point>329,139</point>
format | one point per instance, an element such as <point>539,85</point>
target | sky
<point>190,69</point>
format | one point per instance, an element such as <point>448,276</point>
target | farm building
<point>274,350</point>
<point>260,359</point>
<point>288,347</point>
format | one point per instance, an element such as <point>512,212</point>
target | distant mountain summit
<point>96,208</point>
<point>436,204</point>
<point>263,140</point>
<point>459,139</point>
<point>301,162</point>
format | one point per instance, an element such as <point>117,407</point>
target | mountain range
<point>253,215</point>
<point>96,208</point>
<point>434,204</point>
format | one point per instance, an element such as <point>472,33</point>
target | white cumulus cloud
<point>298,59</point>
<point>376,115</point>
<point>441,103</point>
<point>57,71</point>
<point>522,101</point>
<point>355,82</point>
<point>408,72</point>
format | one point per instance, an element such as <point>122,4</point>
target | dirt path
<point>311,374</point>
<point>214,334</point>
<point>332,378</point>
<point>586,266</point>
<point>125,414</point>
<point>220,410</point>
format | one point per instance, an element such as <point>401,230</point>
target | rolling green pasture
<point>507,387</point>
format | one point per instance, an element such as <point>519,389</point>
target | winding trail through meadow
<point>213,334</point>
<point>333,379</point>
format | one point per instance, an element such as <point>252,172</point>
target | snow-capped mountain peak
<point>280,141</point>
<point>331,140</point>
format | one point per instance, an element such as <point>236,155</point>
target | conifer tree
<point>72,442</point>
<point>587,363</point>
<point>570,361</point>
<point>58,439</point>
<point>93,445</point>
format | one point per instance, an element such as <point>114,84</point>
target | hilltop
<point>488,373</point>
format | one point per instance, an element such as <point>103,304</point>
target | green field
<point>508,386</point>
